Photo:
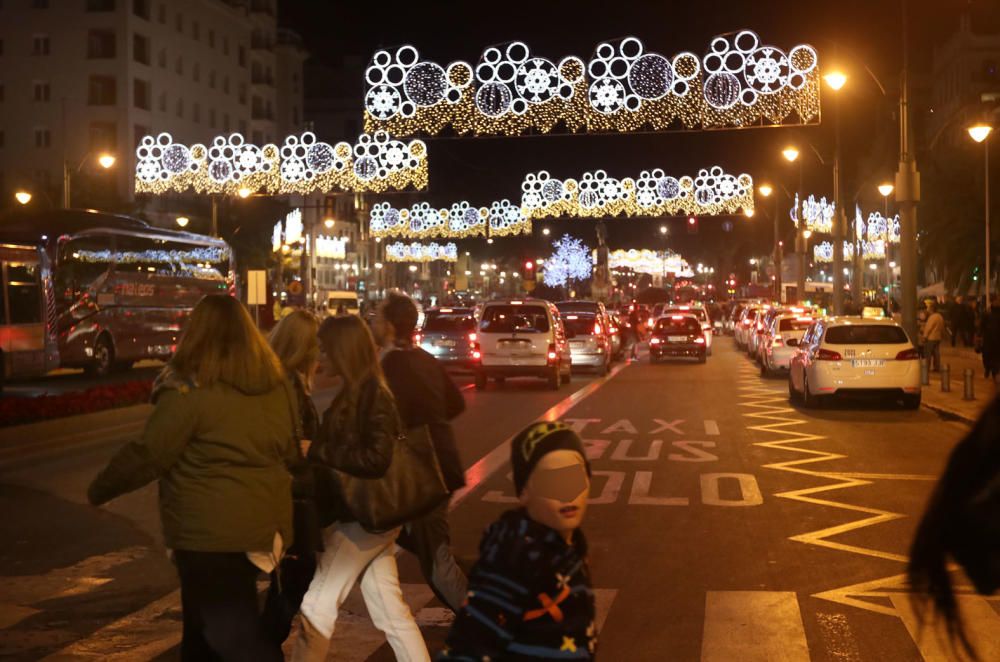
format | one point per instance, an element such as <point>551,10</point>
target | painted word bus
<point>84,289</point>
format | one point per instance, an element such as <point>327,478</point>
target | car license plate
<point>444,343</point>
<point>676,338</point>
<point>868,363</point>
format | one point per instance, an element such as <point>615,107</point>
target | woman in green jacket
<point>219,441</point>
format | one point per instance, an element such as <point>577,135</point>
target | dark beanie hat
<point>536,441</point>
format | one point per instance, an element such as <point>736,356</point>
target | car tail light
<point>908,355</point>
<point>655,341</point>
<point>700,340</point>
<point>747,322</point>
<point>613,330</point>
<point>476,352</point>
<point>598,331</point>
<point>417,338</point>
<point>760,327</point>
<point>828,355</point>
<point>649,322</point>
<point>473,337</point>
<point>552,355</point>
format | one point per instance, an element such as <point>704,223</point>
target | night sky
<point>848,32</point>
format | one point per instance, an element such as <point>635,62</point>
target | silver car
<point>589,342</point>
<point>781,341</point>
<point>449,334</point>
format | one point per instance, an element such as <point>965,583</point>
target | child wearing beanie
<point>529,594</point>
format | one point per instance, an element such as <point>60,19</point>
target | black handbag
<point>411,487</point>
<point>305,516</point>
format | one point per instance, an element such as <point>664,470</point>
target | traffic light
<point>692,225</point>
<point>528,282</point>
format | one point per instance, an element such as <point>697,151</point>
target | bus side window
<point>24,292</point>
<point>81,262</point>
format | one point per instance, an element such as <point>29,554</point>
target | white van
<point>334,299</point>
<point>521,338</point>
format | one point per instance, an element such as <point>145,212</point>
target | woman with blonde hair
<point>219,441</point>
<point>357,437</point>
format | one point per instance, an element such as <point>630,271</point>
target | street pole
<point>907,197</point>
<point>858,284</point>
<point>777,252</point>
<point>986,148</point>
<point>800,241</point>
<point>839,220</point>
<point>66,184</point>
<point>215,215</point>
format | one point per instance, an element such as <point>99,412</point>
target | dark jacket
<point>356,438</point>
<point>426,395</point>
<point>221,456</point>
<point>530,597</point>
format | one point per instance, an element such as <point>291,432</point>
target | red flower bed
<point>15,411</point>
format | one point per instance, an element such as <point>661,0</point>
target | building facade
<point>84,77</point>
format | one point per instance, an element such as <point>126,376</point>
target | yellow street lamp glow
<point>748,212</point>
<point>663,229</point>
<point>328,222</point>
<point>807,233</point>
<point>106,160</point>
<point>545,231</point>
<point>24,197</point>
<point>182,221</point>
<point>790,153</point>
<point>835,79</point>
<point>886,189</point>
<point>765,190</point>
<point>980,132</point>
<point>244,192</point>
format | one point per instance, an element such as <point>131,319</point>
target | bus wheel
<point>104,358</point>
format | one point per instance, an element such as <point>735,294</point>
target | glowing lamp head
<point>23,197</point>
<point>791,153</point>
<point>244,192</point>
<point>748,213</point>
<point>980,132</point>
<point>835,79</point>
<point>182,221</point>
<point>546,231</point>
<point>807,233</point>
<point>765,190</point>
<point>328,223</point>
<point>886,189</point>
<point>106,161</point>
<point>691,220</point>
<point>663,229</point>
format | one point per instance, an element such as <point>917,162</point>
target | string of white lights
<point>622,87</point>
<point>421,221</point>
<point>303,164</point>
<point>650,262</point>
<point>417,252</point>
<point>653,193</point>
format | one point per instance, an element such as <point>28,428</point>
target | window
<point>225,45</point>
<point>163,13</point>
<point>509,318</point>
<point>211,80</point>
<point>101,44</point>
<point>243,93</point>
<point>41,90</point>
<point>40,44</point>
<point>102,91</point>
<point>141,8</point>
<point>138,133</point>
<point>211,118</point>
<point>225,122</point>
<point>196,72</point>
<point>242,57</point>
<point>258,138</point>
<point>866,335</point>
<point>243,127</point>
<point>179,22</point>
<point>162,58</point>
<point>196,112</point>
<point>211,38</point>
<point>43,137</point>
<point>24,292</point>
<point>100,5</point>
<point>180,108</point>
<point>195,30</point>
<point>141,95</point>
<point>140,49</point>
<point>75,274</point>
<point>163,102</point>
<point>103,136</point>
<point>225,84</point>
<point>179,66</point>
<point>295,116</point>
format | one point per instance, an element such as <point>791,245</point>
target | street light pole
<point>981,134</point>
<point>907,197</point>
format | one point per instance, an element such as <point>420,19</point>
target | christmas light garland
<point>819,214</point>
<point>570,261</point>
<point>654,193</point>
<point>740,82</point>
<point>303,164</point>
<point>421,221</point>
<point>650,262</point>
<point>417,252</point>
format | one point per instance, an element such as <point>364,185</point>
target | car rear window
<point>794,324</point>
<point>579,324</point>
<point>683,325</point>
<point>697,312</point>
<point>866,335</point>
<point>446,323</point>
<point>577,306</point>
<point>514,319</point>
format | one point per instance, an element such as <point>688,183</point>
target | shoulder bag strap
<point>293,410</point>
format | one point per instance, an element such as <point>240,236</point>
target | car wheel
<point>480,381</point>
<point>764,372</point>
<point>911,401</point>
<point>793,395</point>
<point>555,379</point>
<point>701,357</point>
<point>602,370</point>
<point>808,399</point>
<point>708,352</point>
<point>566,377</point>
<point>104,358</point>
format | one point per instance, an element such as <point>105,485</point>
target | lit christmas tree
<point>570,261</point>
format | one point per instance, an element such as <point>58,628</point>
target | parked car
<point>677,336</point>
<point>589,343</point>
<point>449,334</point>
<point>854,355</point>
<point>746,324</point>
<point>781,341</point>
<point>521,338</point>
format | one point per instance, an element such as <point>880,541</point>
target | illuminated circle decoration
<point>818,214</point>
<point>417,252</point>
<point>712,192</point>
<point>421,221</point>
<point>650,262</point>
<point>739,82</point>
<point>824,252</point>
<point>303,164</point>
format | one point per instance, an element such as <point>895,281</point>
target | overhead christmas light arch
<point>653,193</point>
<point>650,262</point>
<point>417,252</point>
<point>421,221</point>
<point>303,164</point>
<point>739,82</point>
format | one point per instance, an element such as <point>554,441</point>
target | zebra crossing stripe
<point>982,626</point>
<point>753,626</point>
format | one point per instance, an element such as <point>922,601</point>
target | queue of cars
<point>827,357</point>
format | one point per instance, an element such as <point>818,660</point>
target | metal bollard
<point>946,378</point>
<point>970,384</point>
<point>925,373</point>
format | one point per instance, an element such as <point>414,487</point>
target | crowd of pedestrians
<point>254,481</point>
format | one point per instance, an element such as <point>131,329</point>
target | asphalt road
<point>724,525</point>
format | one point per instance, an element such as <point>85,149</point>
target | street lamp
<point>182,221</point>
<point>981,134</point>
<point>748,213</point>
<point>244,192</point>
<point>328,222</point>
<point>790,153</point>
<point>835,79</point>
<point>104,159</point>
<point>765,190</point>
<point>545,231</point>
<point>663,229</point>
<point>886,190</point>
<point>23,197</point>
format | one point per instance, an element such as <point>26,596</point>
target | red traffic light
<point>529,265</point>
<point>692,220</point>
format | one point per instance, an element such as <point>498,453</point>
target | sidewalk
<point>952,404</point>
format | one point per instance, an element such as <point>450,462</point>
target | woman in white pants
<point>356,437</point>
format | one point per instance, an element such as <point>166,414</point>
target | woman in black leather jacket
<point>357,436</point>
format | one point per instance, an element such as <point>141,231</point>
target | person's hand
<point>304,445</point>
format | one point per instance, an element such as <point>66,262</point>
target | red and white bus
<point>84,289</point>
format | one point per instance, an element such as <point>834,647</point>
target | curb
<point>83,429</point>
<point>949,413</point>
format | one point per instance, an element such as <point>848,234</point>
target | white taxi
<point>700,314</point>
<point>781,340</point>
<point>854,355</point>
